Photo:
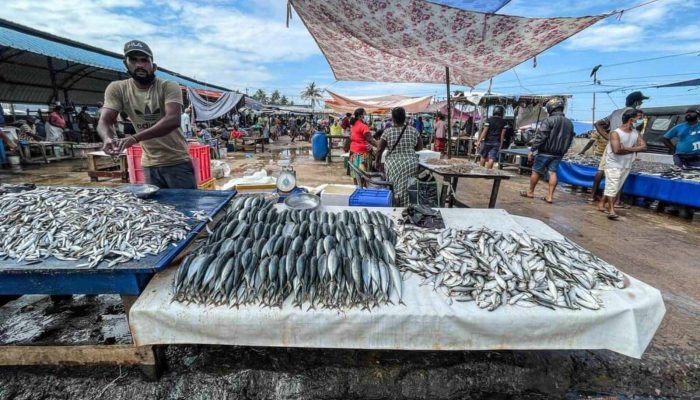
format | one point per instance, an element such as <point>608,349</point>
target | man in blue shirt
<point>686,151</point>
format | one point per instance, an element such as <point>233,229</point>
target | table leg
<point>453,184</point>
<point>43,153</point>
<point>494,192</point>
<point>262,145</point>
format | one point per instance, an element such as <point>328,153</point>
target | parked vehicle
<point>659,121</point>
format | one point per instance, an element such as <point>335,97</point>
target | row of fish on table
<point>493,268</point>
<point>95,226</point>
<point>663,170</point>
<point>257,254</point>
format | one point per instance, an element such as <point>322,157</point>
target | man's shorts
<point>614,180</point>
<point>489,151</point>
<point>544,163</point>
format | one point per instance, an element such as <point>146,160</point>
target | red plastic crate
<point>200,160</point>
<point>133,159</point>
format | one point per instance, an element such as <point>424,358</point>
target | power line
<point>611,65</point>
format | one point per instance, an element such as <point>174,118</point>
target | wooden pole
<point>449,114</point>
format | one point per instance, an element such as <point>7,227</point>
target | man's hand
<point>111,147</point>
<point>126,143</point>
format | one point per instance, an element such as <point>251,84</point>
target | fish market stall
<point>50,269</point>
<point>65,241</point>
<point>651,180</point>
<point>361,292</point>
<point>452,170</point>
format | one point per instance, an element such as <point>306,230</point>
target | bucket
<point>15,163</point>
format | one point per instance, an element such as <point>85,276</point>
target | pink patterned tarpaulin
<point>377,104</point>
<point>414,40</point>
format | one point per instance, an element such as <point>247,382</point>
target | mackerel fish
<point>259,254</point>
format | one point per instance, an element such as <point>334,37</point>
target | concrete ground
<point>659,249</point>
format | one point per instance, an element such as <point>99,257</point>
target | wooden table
<point>522,165</point>
<point>452,178</point>
<point>255,141</point>
<point>101,165</point>
<point>49,151</point>
<point>330,144</point>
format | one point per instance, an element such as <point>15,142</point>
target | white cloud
<point>691,32</point>
<point>214,42</point>
<point>606,37</point>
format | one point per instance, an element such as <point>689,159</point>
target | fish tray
<point>53,276</point>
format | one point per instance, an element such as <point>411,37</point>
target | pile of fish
<point>97,224</point>
<point>259,255</point>
<point>471,169</point>
<point>494,268</point>
<point>667,171</point>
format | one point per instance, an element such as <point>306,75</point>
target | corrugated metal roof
<point>34,43</point>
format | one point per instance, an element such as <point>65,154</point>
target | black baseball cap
<point>137,46</point>
<point>636,96</point>
<point>693,109</point>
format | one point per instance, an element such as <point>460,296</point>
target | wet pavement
<point>659,249</point>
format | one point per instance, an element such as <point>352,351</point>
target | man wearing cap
<point>154,106</point>
<point>609,124</point>
<point>686,151</point>
<point>552,140</point>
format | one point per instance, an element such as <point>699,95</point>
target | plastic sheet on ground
<point>625,325</point>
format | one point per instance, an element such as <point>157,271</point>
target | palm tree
<point>284,101</point>
<point>260,96</point>
<point>275,97</point>
<point>312,93</point>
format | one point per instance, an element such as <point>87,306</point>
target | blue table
<point>675,191</point>
<point>57,277</point>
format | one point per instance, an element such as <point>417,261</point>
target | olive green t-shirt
<point>145,107</point>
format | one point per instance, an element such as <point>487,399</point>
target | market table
<point>522,152</point>
<point>49,151</point>
<point>428,321</point>
<point>452,178</point>
<point>330,144</point>
<point>56,277</point>
<point>128,279</point>
<point>676,191</point>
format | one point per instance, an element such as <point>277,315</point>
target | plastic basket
<point>371,198</point>
<point>133,159</point>
<point>202,162</point>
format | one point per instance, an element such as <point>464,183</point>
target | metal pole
<point>593,110</point>
<point>449,114</point>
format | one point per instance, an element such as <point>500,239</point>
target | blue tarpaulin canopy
<point>37,67</point>
<point>487,6</point>
<point>692,82</point>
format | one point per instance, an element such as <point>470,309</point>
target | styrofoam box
<point>425,155</point>
<point>337,195</point>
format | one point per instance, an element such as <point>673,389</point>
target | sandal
<point>604,211</point>
<point>524,194</point>
<point>546,201</point>
<point>613,217</point>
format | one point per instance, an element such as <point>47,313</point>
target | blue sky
<point>244,44</point>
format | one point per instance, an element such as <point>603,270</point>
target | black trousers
<point>178,176</point>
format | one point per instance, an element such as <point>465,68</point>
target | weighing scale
<point>287,183</point>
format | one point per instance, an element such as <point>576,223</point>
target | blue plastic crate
<point>371,198</point>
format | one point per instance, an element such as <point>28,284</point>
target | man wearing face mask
<point>607,125</point>
<point>624,142</point>
<point>686,151</point>
<point>154,106</point>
